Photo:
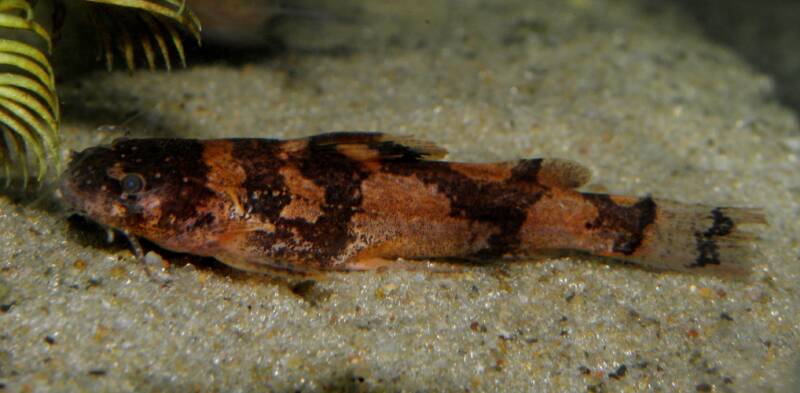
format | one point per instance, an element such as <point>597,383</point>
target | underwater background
<point>693,101</point>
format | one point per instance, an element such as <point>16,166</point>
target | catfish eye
<point>132,183</point>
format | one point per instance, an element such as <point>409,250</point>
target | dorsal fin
<point>553,172</point>
<point>366,146</point>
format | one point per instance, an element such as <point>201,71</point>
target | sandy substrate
<point>634,93</point>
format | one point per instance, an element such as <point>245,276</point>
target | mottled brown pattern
<point>503,205</point>
<point>558,222</point>
<point>406,217</point>
<point>307,198</point>
<point>352,201</point>
<point>625,221</point>
<point>225,175</point>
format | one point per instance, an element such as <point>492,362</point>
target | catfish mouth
<point>67,187</point>
<point>76,201</point>
<point>81,188</point>
<point>93,205</point>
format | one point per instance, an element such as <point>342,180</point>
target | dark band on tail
<point>628,223</point>
<point>700,239</point>
<point>707,247</point>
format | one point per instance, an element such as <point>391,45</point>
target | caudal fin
<point>700,239</point>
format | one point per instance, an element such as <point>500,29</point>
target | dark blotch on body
<point>341,178</point>
<point>502,204</point>
<point>268,195</point>
<point>626,223</point>
<point>186,163</point>
<point>527,170</point>
<point>267,192</point>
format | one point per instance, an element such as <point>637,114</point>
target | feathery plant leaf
<point>29,113</point>
<point>21,5</point>
<point>29,108</point>
<point>134,26</point>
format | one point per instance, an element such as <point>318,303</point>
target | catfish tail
<point>655,233</point>
<point>699,239</point>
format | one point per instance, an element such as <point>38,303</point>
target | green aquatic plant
<point>29,109</point>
